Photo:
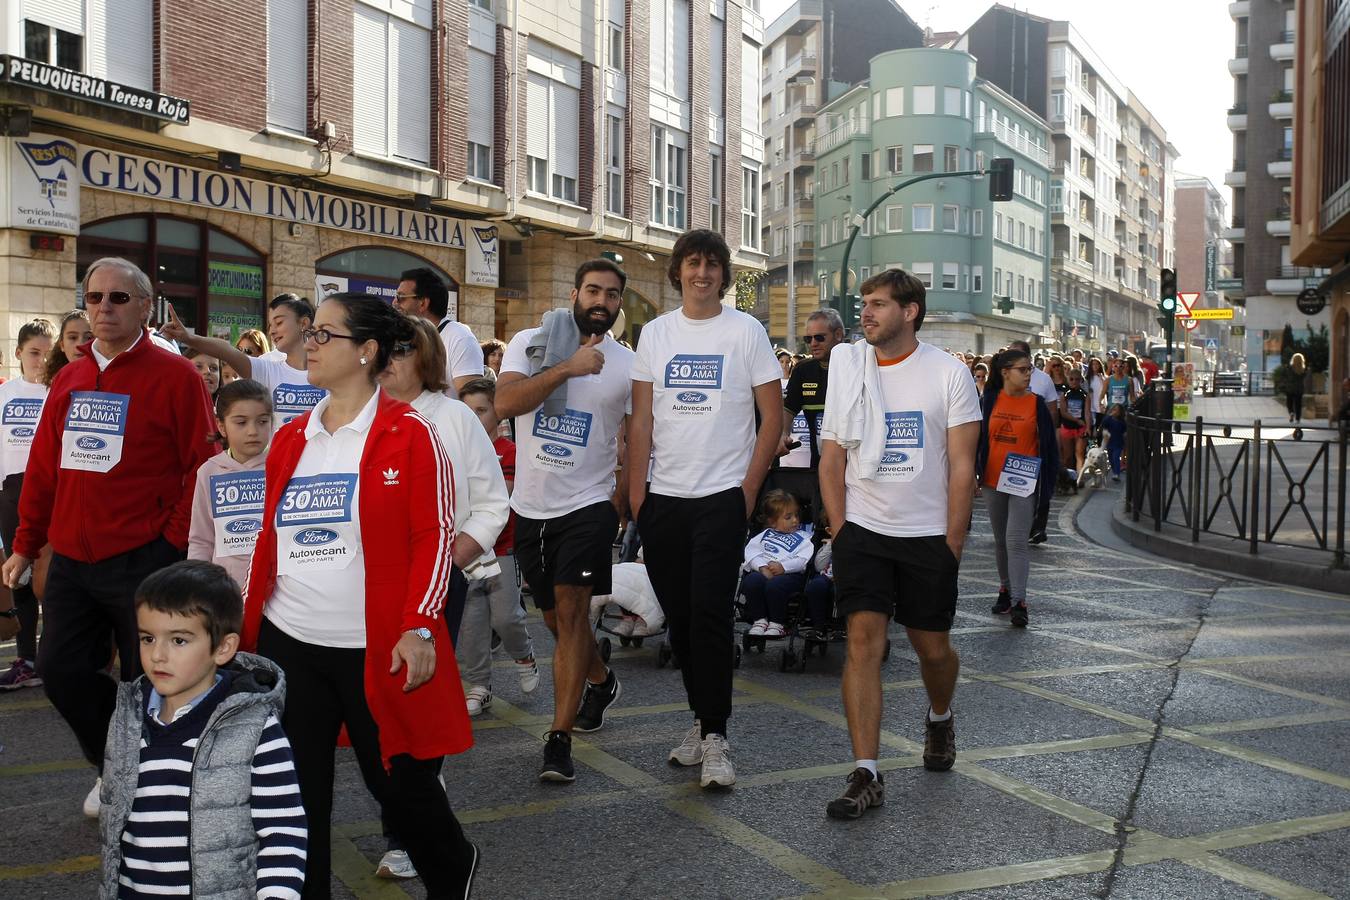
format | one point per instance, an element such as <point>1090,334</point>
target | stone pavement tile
<point>1166,879</point>
<point>932,824</point>
<point>1232,600</point>
<point>1127,602</point>
<point>1325,675</point>
<point>1324,746</point>
<point>1138,692</point>
<point>52,887</point>
<point>1165,641</point>
<point>1014,650</point>
<point>53,827</point>
<point>58,741</point>
<point>1276,634</point>
<point>1317,861</point>
<point>1202,698</point>
<point>1098,779</point>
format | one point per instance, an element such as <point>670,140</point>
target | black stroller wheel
<point>606,647</point>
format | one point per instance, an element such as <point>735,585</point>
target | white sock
<point>934,717</point>
<point>868,764</point>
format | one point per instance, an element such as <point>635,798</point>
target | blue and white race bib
<point>96,425</point>
<point>316,530</point>
<point>902,457</point>
<point>237,510</point>
<point>18,423</point>
<point>1019,475</point>
<point>693,385</point>
<point>291,400</point>
<point>780,545</point>
<point>563,439</point>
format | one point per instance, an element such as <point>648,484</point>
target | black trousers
<point>25,601</point>
<point>325,689</point>
<point>88,606</point>
<point>694,548</point>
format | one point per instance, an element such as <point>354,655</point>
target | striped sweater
<point>156,851</point>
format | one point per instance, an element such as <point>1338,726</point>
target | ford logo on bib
<point>556,450</point>
<point>894,459</point>
<point>316,537</point>
<point>91,443</point>
<point>1017,480</point>
<point>692,397</point>
<point>23,431</point>
<point>244,526</point>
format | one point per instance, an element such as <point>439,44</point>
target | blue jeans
<point>819,600</point>
<point>767,598</point>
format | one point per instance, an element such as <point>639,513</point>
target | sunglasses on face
<point>94,298</point>
<point>815,338</point>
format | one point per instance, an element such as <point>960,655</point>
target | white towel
<point>855,411</point>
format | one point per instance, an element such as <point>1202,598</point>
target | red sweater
<point>406,497</point>
<point>91,516</point>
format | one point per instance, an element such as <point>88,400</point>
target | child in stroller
<point>775,565</point>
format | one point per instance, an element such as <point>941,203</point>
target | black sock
<point>712,726</point>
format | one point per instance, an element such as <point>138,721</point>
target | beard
<point>884,335</point>
<point>593,321</point>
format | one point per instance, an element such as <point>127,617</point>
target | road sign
<point>1211,346</point>
<point>1228,284</point>
<point>1190,324</point>
<point>1198,314</point>
<point>1185,301</point>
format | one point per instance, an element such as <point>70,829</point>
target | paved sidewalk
<point>1159,731</point>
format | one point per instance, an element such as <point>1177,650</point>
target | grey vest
<point>222,843</point>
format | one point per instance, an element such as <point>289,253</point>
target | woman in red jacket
<point>345,592</point>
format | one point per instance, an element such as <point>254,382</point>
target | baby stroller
<point>631,591</point>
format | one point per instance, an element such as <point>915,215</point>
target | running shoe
<point>809,633</point>
<point>1039,538</point>
<point>1019,616</point>
<point>1003,603</point>
<point>395,864</point>
<point>775,631</point>
<point>864,791</point>
<point>557,758</point>
<point>529,675</point>
<point>939,745</point>
<point>757,629</point>
<point>595,700</point>
<point>20,674</point>
<point>92,802</point>
<point>717,768</point>
<point>496,643</point>
<point>473,869</point>
<point>478,699</point>
<point>689,752</point>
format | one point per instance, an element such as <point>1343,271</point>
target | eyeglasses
<point>1023,369</point>
<point>404,298</point>
<point>94,298</point>
<point>815,338</point>
<point>321,336</point>
<point>401,350</point>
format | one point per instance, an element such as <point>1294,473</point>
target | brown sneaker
<point>862,793</point>
<point>939,745</point>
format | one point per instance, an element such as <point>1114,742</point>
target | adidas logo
<point>391,476</point>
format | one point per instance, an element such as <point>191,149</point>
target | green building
<point>924,110</point>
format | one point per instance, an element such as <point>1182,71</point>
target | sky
<point>1172,53</point>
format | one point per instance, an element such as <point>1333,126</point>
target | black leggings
<point>25,601</point>
<point>325,689</point>
<point>1295,404</point>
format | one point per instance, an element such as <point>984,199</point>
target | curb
<point>1229,555</point>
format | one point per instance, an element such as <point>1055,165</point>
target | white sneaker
<point>624,628</point>
<point>757,629</point>
<point>690,750</point>
<point>91,802</point>
<point>395,864</point>
<point>529,675</point>
<point>717,767</point>
<point>775,631</point>
<point>478,699</point>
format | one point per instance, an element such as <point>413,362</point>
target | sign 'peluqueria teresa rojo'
<point>55,80</point>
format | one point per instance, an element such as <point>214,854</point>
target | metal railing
<point>1232,481</point>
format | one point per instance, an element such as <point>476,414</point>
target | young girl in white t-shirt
<point>775,564</point>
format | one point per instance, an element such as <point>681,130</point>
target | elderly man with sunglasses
<point>109,484</point>
<point>804,398</point>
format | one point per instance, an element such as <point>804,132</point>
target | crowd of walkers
<point>310,537</point>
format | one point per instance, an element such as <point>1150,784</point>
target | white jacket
<point>632,589</point>
<point>855,410</point>
<point>791,551</point>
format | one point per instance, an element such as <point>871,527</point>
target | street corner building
<point>338,144</point>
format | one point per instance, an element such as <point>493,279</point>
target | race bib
<point>1075,405</point>
<point>291,400</point>
<point>902,458</point>
<point>1118,394</point>
<point>800,457</point>
<point>237,509</point>
<point>562,438</point>
<point>315,527</point>
<point>1019,475</point>
<point>778,544</point>
<point>96,424</point>
<point>18,421</point>
<point>693,386</point>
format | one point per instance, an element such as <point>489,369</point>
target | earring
<point>363,360</point>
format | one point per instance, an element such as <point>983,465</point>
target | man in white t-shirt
<point>1043,386</point>
<point>570,424</point>
<point>422,293</point>
<point>898,500</point>
<point>701,373</point>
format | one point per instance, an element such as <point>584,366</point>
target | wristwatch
<point>423,633</point>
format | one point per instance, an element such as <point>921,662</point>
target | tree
<point>746,286</point>
<point>1287,344</point>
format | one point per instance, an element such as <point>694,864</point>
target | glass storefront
<point>372,270</point>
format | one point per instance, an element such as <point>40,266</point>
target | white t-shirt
<point>567,462</point>
<point>292,394</point>
<point>925,394</point>
<point>320,595</point>
<point>20,407</point>
<point>703,374</point>
<point>463,353</point>
<point>1043,386</point>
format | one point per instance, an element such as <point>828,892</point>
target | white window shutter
<point>287,64</point>
<point>412,98</point>
<point>126,45</point>
<point>536,116</point>
<point>718,59</point>
<point>658,43</point>
<point>370,89</point>
<point>480,98</point>
<point>67,15</point>
<point>679,48</point>
<point>566,134</point>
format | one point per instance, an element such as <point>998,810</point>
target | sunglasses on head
<point>815,338</point>
<point>94,298</point>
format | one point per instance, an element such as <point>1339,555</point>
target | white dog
<point>1094,467</point>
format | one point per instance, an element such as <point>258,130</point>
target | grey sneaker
<point>939,744</point>
<point>395,864</point>
<point>863,793</point>
<point>690,749</point>
<point>717,768</point>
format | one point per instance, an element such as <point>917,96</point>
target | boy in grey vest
<point>195,750</point>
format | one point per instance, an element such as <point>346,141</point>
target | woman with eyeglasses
<point>1016,460</point>
<point>345,592</point>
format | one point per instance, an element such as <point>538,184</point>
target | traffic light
<point>1001,179</point>
<point>1167,284</point>
<point>855,310</point>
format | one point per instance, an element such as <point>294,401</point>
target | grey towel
<point>558,338</point>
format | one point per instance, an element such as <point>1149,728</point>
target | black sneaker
<point>1039,538</point>
<point>939,744</point>
<point>557,758</point>
<point>1019,615</point>
<point>1004,602</point>
<point>863,793</point>
<point>595,700</point>
<point>473,869</point>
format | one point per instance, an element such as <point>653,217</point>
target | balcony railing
<point>1282,97</point>
<point>1238,109</point>
<point>1296,272</point>
<point>1286,37</point>
<point>1284,154</point>
<point>1240,51</point>
<point>836,136</point>
<point>1019,142</point>
<point>1280,215</point>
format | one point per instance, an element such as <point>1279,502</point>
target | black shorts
<point>910,578</point>
<point>575,549</point>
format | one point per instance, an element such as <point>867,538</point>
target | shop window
<point>373,270</point>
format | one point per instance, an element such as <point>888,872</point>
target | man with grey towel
<point>567,382</point>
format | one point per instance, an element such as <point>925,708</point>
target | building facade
<point>338,142</point>
<point>1320,229</point>
<point>925,111</point>
<point>1203,264</point>
<point>1111,220</point>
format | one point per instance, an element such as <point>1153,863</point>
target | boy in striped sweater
<point>199,793</point>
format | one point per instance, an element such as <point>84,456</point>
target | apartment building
<point>1111,219</point>
<point>812,52</point>
<point>924,111</point>
<point>1203,264</point>
<point>1320,227</point>
<point>1262,122</point>
<point>330,144</point>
